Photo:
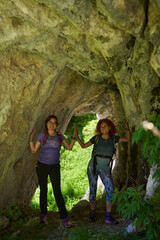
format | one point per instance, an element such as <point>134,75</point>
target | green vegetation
<point>74,180</point>
<point>88,233</point>
<point>130,200</point>
<point>16,219</point>
<point>83,232</point>
<point>12,213</point>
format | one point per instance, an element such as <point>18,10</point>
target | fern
<point>129,200</point>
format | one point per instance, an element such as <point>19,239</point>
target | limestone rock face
<point>73,57</point>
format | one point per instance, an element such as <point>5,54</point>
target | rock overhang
<point>66,58</point>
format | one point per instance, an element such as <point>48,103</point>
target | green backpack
<point>94,155</point>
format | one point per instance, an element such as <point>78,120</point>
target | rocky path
<point>81,229</point>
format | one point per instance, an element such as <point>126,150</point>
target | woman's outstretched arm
<point>33,147</point>
<point>127,136</point>
<point>83,145</point>
<point>69,146</point>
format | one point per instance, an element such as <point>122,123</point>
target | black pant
<point>53,171</point>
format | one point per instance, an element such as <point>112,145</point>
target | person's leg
<point>55,177</point>
<point>92,178</point>
<point>108,207</point>
<point>42,174</point>
<point>108,183</point>
<point>93,206</point>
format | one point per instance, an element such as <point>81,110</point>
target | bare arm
<point>127,136</point>
<point>34,147</point>
<point>84,145</point>
<point>69,146</point>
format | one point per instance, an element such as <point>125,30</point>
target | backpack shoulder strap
<point>94,153</point>
<point>114,152</point>
<point>97,139</point>
<point>45,138</point>
<point>59,137</point>
<point>95,144</point>
<point>114,144</point>
<point>114,139</point>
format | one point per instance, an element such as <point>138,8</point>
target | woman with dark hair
<point>49,164</point>
<point>100,163</point>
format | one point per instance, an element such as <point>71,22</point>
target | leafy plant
<point>150,144</point>
<point>16,221</point>
<point>14,212</point>
<point>131,202</point>
<point>9,238</point>
<point>87,233</point>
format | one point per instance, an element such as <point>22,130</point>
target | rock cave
<point>71,58</point>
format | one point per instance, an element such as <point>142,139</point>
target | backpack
<point>46,135</point>
<point>94,155</point>
<point>96,141</point>
<point>114,152</point>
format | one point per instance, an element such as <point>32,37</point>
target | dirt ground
<point>54,230</point>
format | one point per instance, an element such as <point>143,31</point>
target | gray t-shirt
<point>104,147</point>
<point>50,152</point>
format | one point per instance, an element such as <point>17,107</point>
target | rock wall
<point>73,57</point>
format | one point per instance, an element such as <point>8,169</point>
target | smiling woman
<point>48,165</point>
<point>100,162</point>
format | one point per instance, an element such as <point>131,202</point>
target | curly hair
<point>112,130</point>
<point>48,119</point>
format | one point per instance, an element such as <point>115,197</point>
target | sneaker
<point>92,217</point>
<point>43,218</point>
<point>111,220</point>
<point>67,223</point>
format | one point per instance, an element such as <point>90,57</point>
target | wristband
<point>31,140</point>
<point>73,137</point>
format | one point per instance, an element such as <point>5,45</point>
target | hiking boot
<point>92,217</point>
<point>67,223</point>
<point>43,218</point>
<point>110,220</point>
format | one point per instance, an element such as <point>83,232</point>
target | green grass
<point>88,233</point>
<point>74,181</point>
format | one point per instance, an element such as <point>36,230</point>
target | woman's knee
<point>92,178</point>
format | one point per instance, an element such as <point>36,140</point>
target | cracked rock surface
<point>73,57</point>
